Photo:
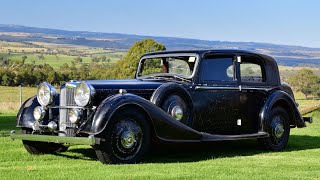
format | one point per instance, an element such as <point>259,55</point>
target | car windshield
<point>169,66</point>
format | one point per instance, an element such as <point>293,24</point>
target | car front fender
<point>281,98</point>
<point>164,126</point>
<point>25,115</point>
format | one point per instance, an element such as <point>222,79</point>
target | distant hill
<point>286,55</point>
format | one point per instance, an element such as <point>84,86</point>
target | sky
<point>289,22</point>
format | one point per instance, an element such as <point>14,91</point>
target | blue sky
<point>274,21</point>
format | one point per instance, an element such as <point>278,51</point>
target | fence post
<point>20,87</point>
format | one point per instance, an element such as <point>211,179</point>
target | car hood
<point>124,84</point>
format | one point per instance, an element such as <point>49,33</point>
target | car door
<point>253,92</point>
<point>216,95</point>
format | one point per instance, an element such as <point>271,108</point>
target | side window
<point>251,72</point>
<point>217,69</point>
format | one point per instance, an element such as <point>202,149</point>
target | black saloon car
<point>175,96</point>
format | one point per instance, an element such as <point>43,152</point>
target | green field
<point>232,160</point>
<point>65,53</point>
<point>52,60</point>
<point>10,98</point>
<point>227,160</point>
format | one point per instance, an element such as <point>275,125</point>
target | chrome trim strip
<point>171,55</point>
<point>240,88</point>
<point>216,88</point>
<point>69,107</point>
<point>63,112</point>
<point>256,88</point>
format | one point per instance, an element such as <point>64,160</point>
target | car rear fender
<point>164,126</point>
<point>283,99</point>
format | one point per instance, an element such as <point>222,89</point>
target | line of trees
<point>14,73</point>
<point>305,81</point>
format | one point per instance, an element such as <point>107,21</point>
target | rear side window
<point>217,69</point>
<point>251,72</point>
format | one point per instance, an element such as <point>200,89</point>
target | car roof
<point>202,52</point>
<point>270,63</point>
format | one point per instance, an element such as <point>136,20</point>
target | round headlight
<point>74,115</point>
<point>39,113</point>
<point>83,94</point>
<point>46,93</point>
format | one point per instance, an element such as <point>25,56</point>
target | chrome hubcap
<point>177,113</point>
<point>278,131</point>
<point>128,139</point>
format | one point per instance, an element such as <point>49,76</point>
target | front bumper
<point>56,139</point>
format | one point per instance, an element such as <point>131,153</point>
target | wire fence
<point>11,97</point>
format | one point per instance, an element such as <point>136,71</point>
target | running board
<point>214,137</point>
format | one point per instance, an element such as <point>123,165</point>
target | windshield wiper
<point>168,77</point>
<point>182,78</point>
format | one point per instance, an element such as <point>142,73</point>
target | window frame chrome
<point>170,55</point>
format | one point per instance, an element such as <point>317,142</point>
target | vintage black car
<point>176,96</point>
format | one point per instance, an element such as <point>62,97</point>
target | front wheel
<point>35,147</point>
<point>278,128</point>
<point>126,138</point>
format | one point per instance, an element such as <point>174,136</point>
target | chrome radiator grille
<point>66,99</point>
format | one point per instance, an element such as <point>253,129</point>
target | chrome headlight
<point>83,94</point>
<point>46,93</point>
<point>39,113</point>
<point>74,115</point>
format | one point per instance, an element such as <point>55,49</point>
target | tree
<point>103,58</point>
<point>41,57</point>
<point>24,58</point>
<point>57,57</point>
<point>304,81</point>
<point>95,59</point>
<point>126,67</point>
<point>9,51</point>
<point>78,59</point>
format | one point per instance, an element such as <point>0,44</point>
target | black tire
<point>171,103</point>
<point>62,148</point>
<point>171,92</point>
<point>278,128</point>
<point>126,139</point>
<point>35,147</point>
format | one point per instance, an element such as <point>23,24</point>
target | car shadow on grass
<point>7,123</point>
<point>213,150</point>
<point>203,151</point>
<point>85,154</point>
<point>194,152</point>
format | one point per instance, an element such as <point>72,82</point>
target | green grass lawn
<point>225,160</point>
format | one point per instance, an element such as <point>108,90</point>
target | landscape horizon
<point>288,55</point>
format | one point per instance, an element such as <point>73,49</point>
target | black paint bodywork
<point>215,107</point>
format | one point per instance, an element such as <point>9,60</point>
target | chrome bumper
<point>56,139</point>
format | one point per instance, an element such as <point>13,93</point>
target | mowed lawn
<point>226,160</point>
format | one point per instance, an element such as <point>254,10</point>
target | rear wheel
<point>126,138</point>
<point>177,108</point>
<point>278,128</point>
<point>175,100</point>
